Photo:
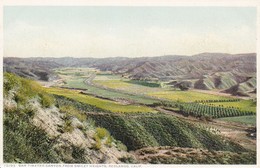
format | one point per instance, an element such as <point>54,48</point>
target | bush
<point>78,154</point>
<point>97,145</point>
<point>121,146</point>
<point>127,160</point>
<point>46,100</point>
<point>72,111</point>
<point>11,81</point>
<point>109,141</point>
<point>102,132</point>
<point>67,127</point>
<point>25,90</point>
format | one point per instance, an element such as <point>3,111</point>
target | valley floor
<point>243,134</point>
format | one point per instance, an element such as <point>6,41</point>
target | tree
<point>183,87</point>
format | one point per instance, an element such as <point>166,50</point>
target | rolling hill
<point>202,71</point>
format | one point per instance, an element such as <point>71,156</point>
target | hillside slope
<point>47,134</point>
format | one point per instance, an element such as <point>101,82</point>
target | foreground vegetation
<point>24,142</point>
<point>27,142</point>
<point>33,143</point>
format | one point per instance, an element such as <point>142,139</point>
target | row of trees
<point>215,101</point>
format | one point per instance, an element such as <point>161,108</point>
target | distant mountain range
<point>233,73</point>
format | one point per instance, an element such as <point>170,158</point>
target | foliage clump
<point>102,132</point>
<point>102,135</point>
<point>24,90</point>
<point>70,111</point>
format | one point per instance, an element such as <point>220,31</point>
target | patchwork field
<point>112,94</point>
<point>115,87</point>
<point>115,93</point>
<point>100,103</point>
<point>116,82</point>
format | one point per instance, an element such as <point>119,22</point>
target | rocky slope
<point>44,134</point>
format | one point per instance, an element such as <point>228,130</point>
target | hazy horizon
<point>100,32</point>
<point>126,56</point>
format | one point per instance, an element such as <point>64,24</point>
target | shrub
<point>121,146</point>
<point>102,132</point>
<point>109,141</point>
<point>25,90</point>
<point>46,100</point>
<point>127,159</point>
<point>78,154</point>
<point>97,145</point>
<point>67,127</point>
<point>72,111</point>
<point>11,81</point>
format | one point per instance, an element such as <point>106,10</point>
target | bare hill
<point>202,71</point>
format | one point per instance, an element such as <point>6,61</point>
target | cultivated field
<point>85,82</point>
<point>107,87</point>
<point>123,84</point>
<point>245,105</point>
<point>100,103</point>
<point>185,96</point>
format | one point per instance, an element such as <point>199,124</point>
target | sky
<point>48,31</point>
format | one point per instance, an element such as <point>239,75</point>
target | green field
<point>241,119</point>
<point>79,83</point>
<point>113,84</point>
<point>244,105</point>
<point>185,96</point>
<point>100,103</point>
<point>119,83</point>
